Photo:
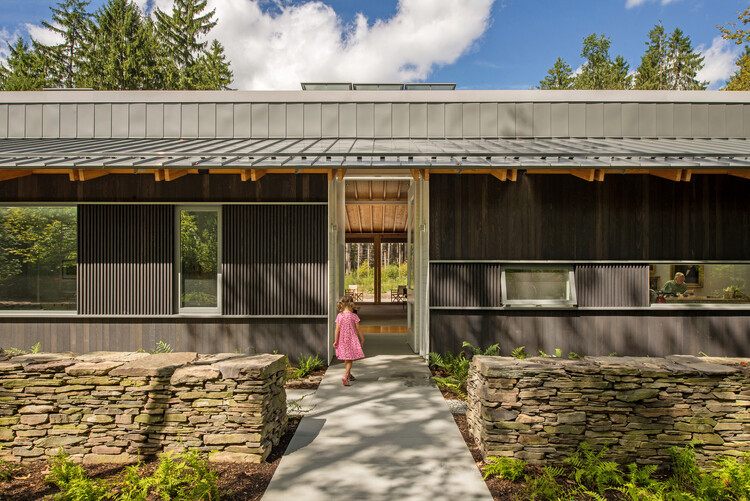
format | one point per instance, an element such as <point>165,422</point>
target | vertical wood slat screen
<point>465,284</point>
<point>274,259</point>
<point>612,285</point>
<point>125,259</point>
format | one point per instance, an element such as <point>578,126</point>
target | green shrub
<point>492,351</point>
<point>390,272</point>
<point>545,487</point>
<point>591,471</point>
<point>505,468</point>
<point>306,365</point>
<point>457,369</point>
<point>520,353</point>
<point>132,486</point>
<point>186,477</point>
<point>74,483</point>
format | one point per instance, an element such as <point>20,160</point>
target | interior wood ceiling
<point>376,206</point>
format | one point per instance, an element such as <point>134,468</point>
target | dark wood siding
<point>465,284</point>
<point>595,333</point>
<point>204,335</point>
<point>220,188</point>
<point>275,260</point>
<point>125,259</point>
<point>560,217</point>
<point>612,285</point>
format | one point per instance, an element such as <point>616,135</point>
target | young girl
<point>348,347</point>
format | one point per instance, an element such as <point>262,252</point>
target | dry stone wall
<point>540,409</point>
<point>119,407</point>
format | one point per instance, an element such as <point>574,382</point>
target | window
<point>538,286</point>
<point>38,258</point>
<point>199,277</point>
<point>694,283</point>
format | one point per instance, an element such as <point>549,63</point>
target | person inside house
<point>676,286</point>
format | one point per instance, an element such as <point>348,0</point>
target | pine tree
<point>23,70</point>
<point>123,52</point>
<point>211,71</point>
<point>685,63</point>
<point>559,77</point>
<point>651,74</point>
<point>71,22</point>
<point>620,79</point>
<point>183,32</point>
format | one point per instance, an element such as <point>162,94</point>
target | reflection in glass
<point>699,283</point>
<point>537,285</point>
<point>199,258</point>
<point>38,258</point>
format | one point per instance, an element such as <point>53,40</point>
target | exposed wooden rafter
<point>588,174</point>
<point>5,175</point>
<point>252,174</point>
<point>740,173</point>
<point>414,174</point>
<point>676,175</point>
<point>332,174</point>
<point>86,174</point>
<point>341,174</point>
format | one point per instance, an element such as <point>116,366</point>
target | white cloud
<point>309,42</point>
<point>6,38</point>
<point>629,4</point>
<point>43,35</point>
<point>719,60</point>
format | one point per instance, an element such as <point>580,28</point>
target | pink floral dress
<point>348,347</point>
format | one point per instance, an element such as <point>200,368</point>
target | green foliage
<point>599,71</point>
<point>591,472</point>
<point>492,351</point>
<point>740,79</point>
<point>452,384</point>
<point>559,77</point>
<point>306,365</point>
<point>36,348</point>
<point>133,487</point>
<point>546,487</point>
<point>73,481</point>
<point>15,352</point>
<point>505,468</point>
<point>558,353</point>
<point>670,62</point>
<point>573,355</point>
<point>520,353</point>
<point>7,469</point>
<point>71,21</point>
<point>162,347</point>
<point>457,369</point>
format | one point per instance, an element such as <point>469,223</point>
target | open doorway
<point>376,260</point>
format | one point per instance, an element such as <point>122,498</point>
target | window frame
<point>539,303</point>
<point>695,306</point>
<point>72,312</point>
<point>197,310</point>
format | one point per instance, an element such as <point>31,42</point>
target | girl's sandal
<point>345,381</point>
<point>352,378</point>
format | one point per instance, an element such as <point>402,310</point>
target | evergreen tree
<point>651,74</point>
<point>71,22</point>
<point>740,80</point>
<point>183,34</point>
<point>123,52</point>
<point>559,77</point>
<point>211,71</point>
<point>23,70</point>
<point>599,71</point>
<point>685,63</point>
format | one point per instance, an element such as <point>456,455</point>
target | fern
<point>545,487</point>
<point>573,355</point>
<point>162,347</point>
<point>492,351</point>
<point>36,348</point>
<point>451,384</point>
<point>7,469</point>
<point>74,483</point>
<point>306,366</point>
<point>591,471</point>
<point>520,353</point>
<point>505,468</point>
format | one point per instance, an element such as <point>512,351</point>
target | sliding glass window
<point>694,283</point>
<point>38,258</point>
<point>199,261</point>
<point>527,285</point>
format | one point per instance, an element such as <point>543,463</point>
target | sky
<point>477,44</point>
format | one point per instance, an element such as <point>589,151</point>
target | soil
<point>237,482</point>
<point>309,382</point>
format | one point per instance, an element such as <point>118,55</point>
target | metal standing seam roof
<point>522,153</point>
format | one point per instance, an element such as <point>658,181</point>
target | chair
<point>355,294</point>
<point>399,295</point>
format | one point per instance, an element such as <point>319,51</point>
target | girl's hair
<point>345,302</point>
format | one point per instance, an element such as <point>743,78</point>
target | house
<point>217,221</point>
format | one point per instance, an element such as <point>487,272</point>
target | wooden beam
<point>670,174</point>
<point>425,174</point>
<point>414,174</point>
<point>585,174</point>
<point>686,175</point>
<point>86,174</point>
<point>599,175</point>
<point>256,174</point>
<point>501,174</point>
<point>341,174</point>
<point>512,174</point>
<point>331,174</point>
<point>245,175</point>
<point>740,173</point>
<point>172,174</point>
<point>5,175</point>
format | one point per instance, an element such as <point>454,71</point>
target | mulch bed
<point>237,482</point>
<point>309,382</point>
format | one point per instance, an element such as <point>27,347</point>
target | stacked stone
<point>120,407</point>
<point>540,409</point>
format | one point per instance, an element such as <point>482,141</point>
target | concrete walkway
<point>390,435</point>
